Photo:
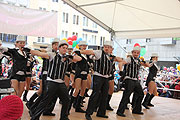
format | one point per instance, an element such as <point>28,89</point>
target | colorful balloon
<point>143,51</point>
<point>65,39</point>
<point>70,42</point>
<point>178,67</point>
<point>69,38</point>
<point>74,38</point>
<point>79,39</point>
<point>74,44</point>
<point>137,44</point>
<point>77,46</point>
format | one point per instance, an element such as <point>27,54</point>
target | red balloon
<point>137,44</point>
<point>70,42</point>
<point>74,38</point>
<point>69,38</point>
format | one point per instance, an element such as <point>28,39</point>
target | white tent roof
<point>133,18</point>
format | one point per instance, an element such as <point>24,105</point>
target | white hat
<point>137,48</point>
<point>20,38</point>
<point>63,42</point>
<point>55,40</point>
<point>0,41</point>
<point>70,47</point>
<point>154,55</point>
<point>110,43</point>
<point>83,43</point>
<point>129,53</point>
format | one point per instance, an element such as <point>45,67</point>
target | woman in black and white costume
<point>67,76</point>
<point>19,55</point>
<point>52,49</point>
<point>150,82</point>
<point>81,72</point>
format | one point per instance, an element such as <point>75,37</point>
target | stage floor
<point>165,109</point>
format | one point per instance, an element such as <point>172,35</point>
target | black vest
<point>82,65</point>
<point>57,67</point>
<point>103,65</point>
<point>132,69</point>
<point>152,72</point>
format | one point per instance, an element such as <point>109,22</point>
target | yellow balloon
<point>77,46</point>
<point>65,39</point>
<point>178,67</point>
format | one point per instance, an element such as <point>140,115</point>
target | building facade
<point>70,22</point>
<point>167,48</point>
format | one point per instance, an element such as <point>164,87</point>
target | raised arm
<point>87,52</point>
<point>38,53</point>
<point>76,58</point>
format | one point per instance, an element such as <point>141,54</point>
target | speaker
<point>5,83</point>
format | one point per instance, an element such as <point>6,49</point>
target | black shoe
<point>25,99</point>
<point>121,114</point>
<point>145,106</point>
<point>151,105</point>
<point>49,114</point>
<point>88,117</point>
<point>103,116</point>
<point>109,108</point>
<point>140,113</point>
<point>80,110</point>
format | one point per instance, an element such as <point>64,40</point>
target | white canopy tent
<point>133,18</point>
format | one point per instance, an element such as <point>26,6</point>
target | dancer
<point>102,70</point>
<point>19,55</point>
<point>81,72</point>
<point>58,63</point>
<point>150,82</point>
<point>132,84</point>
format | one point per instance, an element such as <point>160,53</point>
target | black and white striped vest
<point>57,67</point>
<point>103,65</point>
<point>132,69</point>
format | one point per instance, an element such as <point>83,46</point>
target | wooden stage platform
<point>165,109</point>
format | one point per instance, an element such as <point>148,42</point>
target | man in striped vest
<point>102,71</point>
<point>58,63</point>
<point>132,84</point>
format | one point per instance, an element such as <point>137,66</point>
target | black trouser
<point>100,85</point>
<point>54,89</point>
<point>50,107</point>
<point>131,86</point>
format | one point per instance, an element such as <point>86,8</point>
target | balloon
<point>77,46</point>
<point>74,37</point>
<point>65,39</point>
<point>143,51</point>
<point>178,67</point>
<point>79,39</point>
<point>74,44</point>
<point>70,42</point>
<point>165,68</point>
<point>137,44</point>
<point>69,38</point>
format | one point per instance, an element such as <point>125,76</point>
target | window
<point>41,39</point>
<point>8,37</point>
<point>66,34</point>
<point>74,19</point>
<point>84,36</point>
<point>102,39</point>
<point>94,25</point>
<point>148,40</point>
<point>62,34</point>
<point>85,21</point>
<point>66,17</point>
<point>128,41</point>
<point>63,19</point>
<point>40,8</point>
<point>54,0</point>
<point>77,21</point>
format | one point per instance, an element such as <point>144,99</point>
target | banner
<point>24,21</point>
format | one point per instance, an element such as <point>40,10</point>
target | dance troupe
<point>66,74</point>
